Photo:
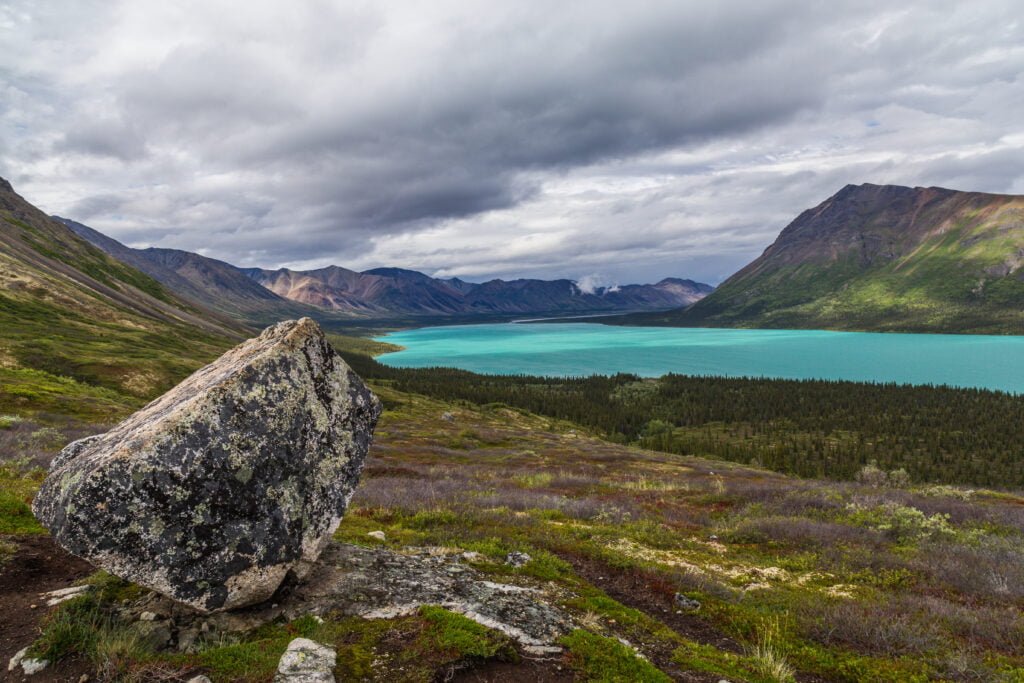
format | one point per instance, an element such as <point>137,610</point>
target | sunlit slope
<point>69,310</point>
<point>882,258</point>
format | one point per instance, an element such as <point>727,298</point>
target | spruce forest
<point>807,428</point>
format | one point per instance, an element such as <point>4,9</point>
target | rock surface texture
<point>378,583</point>
<point>306,662</point>
<point>217,490</point>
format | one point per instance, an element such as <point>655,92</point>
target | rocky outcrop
<point>378,583</point>
<point>216,491</point>
<point>382,584</point>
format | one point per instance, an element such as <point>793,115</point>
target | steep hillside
<point>68,310</point>
<point>205,281</point>
<point>882,258</point>
<point>384,291</point>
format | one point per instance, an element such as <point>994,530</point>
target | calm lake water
<point>576,349</point>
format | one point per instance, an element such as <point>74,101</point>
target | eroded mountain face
<point>882,257</point>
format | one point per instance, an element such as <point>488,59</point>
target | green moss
<point>457,637</point>
<point>17,488</point>
<point>602,659</point>
<point>113,589</point>
<point>546,566</point>
<point>433,641</point>
<point>252,660</point>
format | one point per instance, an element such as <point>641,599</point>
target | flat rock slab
<point>218,489</point>
<point>379,583</point>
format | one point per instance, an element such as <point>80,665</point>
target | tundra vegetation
<point>675,567</point>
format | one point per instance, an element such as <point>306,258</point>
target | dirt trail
<point>38,566</point>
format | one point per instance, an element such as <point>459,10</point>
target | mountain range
<point>880,257</point>
<point>871,257</point>
<point>383,291</point>
<point>259,296</point>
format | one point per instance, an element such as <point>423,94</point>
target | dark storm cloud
<point>550,139</point>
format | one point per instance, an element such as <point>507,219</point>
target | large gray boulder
<point>218,489</point>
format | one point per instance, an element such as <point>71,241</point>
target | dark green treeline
<point>808,428</point>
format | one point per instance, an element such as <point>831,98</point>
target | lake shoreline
<point>577,348</point>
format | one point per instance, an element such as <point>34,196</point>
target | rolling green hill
<point>83,332</point>
<point>882,258</point>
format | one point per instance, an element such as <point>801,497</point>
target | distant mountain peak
<point>884,257</point>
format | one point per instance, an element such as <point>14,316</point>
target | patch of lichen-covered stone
<point>217,490</point>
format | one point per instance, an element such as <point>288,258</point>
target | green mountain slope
<point>207,282</point>
<point>79,326</point>
<point>881,258</point>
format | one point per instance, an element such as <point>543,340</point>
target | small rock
<point>713,537</point>
<point>70,590</point>
<point>33,666</point>
<point>517,559</point>
<point>155,634</point>
<point>33,606</point>
<point>16,659</point>
<point>473,556</point>
<point>199,679</point>
<point>147,616</point>
<point>28,664</point>
<point>686,602</point>
<point>187,640</point>
<point>379,535</point>
<point>448,417</point>
<point>306,662</point>
<point>54,598</point>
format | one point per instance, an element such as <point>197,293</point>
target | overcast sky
<point>625,141</point>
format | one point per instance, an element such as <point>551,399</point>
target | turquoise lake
<point>578,349</point>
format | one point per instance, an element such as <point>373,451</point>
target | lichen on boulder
<point>218,489</point>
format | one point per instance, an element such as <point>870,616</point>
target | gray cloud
<point>665,138</point>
